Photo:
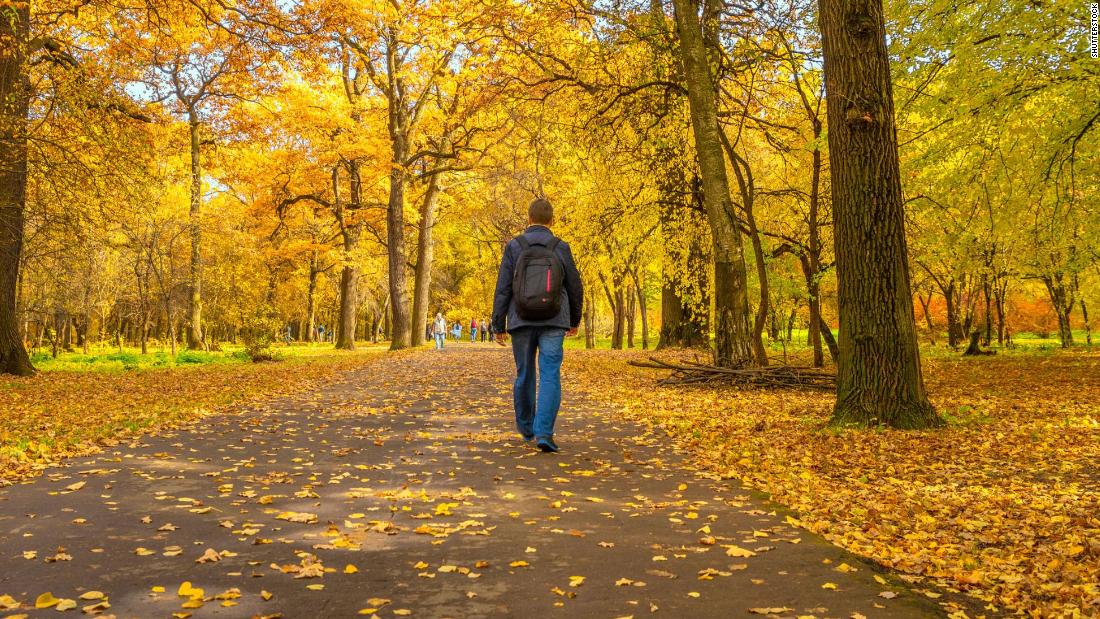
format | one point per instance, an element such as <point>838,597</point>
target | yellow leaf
<point>737,551</point>
<point>350,569</point>
<point>7,602</point>
<point>46,600</point>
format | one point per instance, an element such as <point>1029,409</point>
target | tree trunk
<point>424,253</point>
<point>349,279</point>
<point>879,378</point>
<point>733,333</point>
<point>630,310</point>
<point>1062,300</point>
<point>1000,291</point>
<point>682,325</point>
<point>812,262</point>
<point>14,106</point>
<point>987,293</point>
<point>311,298</point>
<point>954,327</point>
<point>926,307</point>
<point>349,274</point>
<point>589,326</point>
<point>1088,326</point>
<point>642,309</point>
<point>194,334</point>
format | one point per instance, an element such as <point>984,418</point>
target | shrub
<point>258,334</point>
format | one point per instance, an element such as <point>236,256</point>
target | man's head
<point>541,212</point>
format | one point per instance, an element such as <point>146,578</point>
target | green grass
<point>111,359</point>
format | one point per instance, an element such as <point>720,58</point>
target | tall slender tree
<point>733,335</point>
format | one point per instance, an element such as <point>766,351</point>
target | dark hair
<point>541,212</point>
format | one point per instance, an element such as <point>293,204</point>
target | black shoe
<point>546,444</point>
<point>527,438</point>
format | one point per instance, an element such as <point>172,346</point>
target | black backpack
<point>537,280</point>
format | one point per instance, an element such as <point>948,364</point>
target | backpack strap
<point>553,245</point>
<point>523,242</point>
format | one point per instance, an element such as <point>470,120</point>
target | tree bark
<point>879,378</point>
<point>349,274</point>
<point>733,333</point>
<point>424,254</point>
<point>630,311</point>
<point>311,298</point>
<point>642,308</point>
<point>194,333</point>
<point>15,92</point>
<point>1062,298</point>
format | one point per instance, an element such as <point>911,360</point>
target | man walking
<point>539,298</point>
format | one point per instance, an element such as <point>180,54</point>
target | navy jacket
<point>505,317</point>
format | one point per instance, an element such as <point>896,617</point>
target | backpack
<point>537,280</point>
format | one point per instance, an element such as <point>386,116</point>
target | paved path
<point>403,489</point>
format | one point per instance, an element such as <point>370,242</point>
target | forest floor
<point>399,477</point>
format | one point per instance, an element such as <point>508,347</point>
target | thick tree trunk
<point>349,293</point>
<point>395,245</point>
<point>424,254</point>
<point>14,107</point>
<point>194,333</point>
<point>879,378</point>
<point>733,333</point>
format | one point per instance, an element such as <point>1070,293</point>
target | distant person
<point>456,331</point>
<point>428,330</point>
<point>321,333</point>
<point>473,330</point>
<point>439,330</point>
<point>539,298</point>
<point>483,330</point>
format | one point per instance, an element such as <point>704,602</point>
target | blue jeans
<point>439,339</point>
<point>536,410</point>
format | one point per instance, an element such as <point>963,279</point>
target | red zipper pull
<point>547,280</point>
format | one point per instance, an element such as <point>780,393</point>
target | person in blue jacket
<point>537,389</point>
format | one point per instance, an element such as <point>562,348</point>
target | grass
<point>111,359</point>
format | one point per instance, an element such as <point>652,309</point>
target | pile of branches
<point>772,376</point>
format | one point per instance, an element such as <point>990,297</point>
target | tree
<point>732,328</point>
<point>15,96</point>
<point>879,378</point>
